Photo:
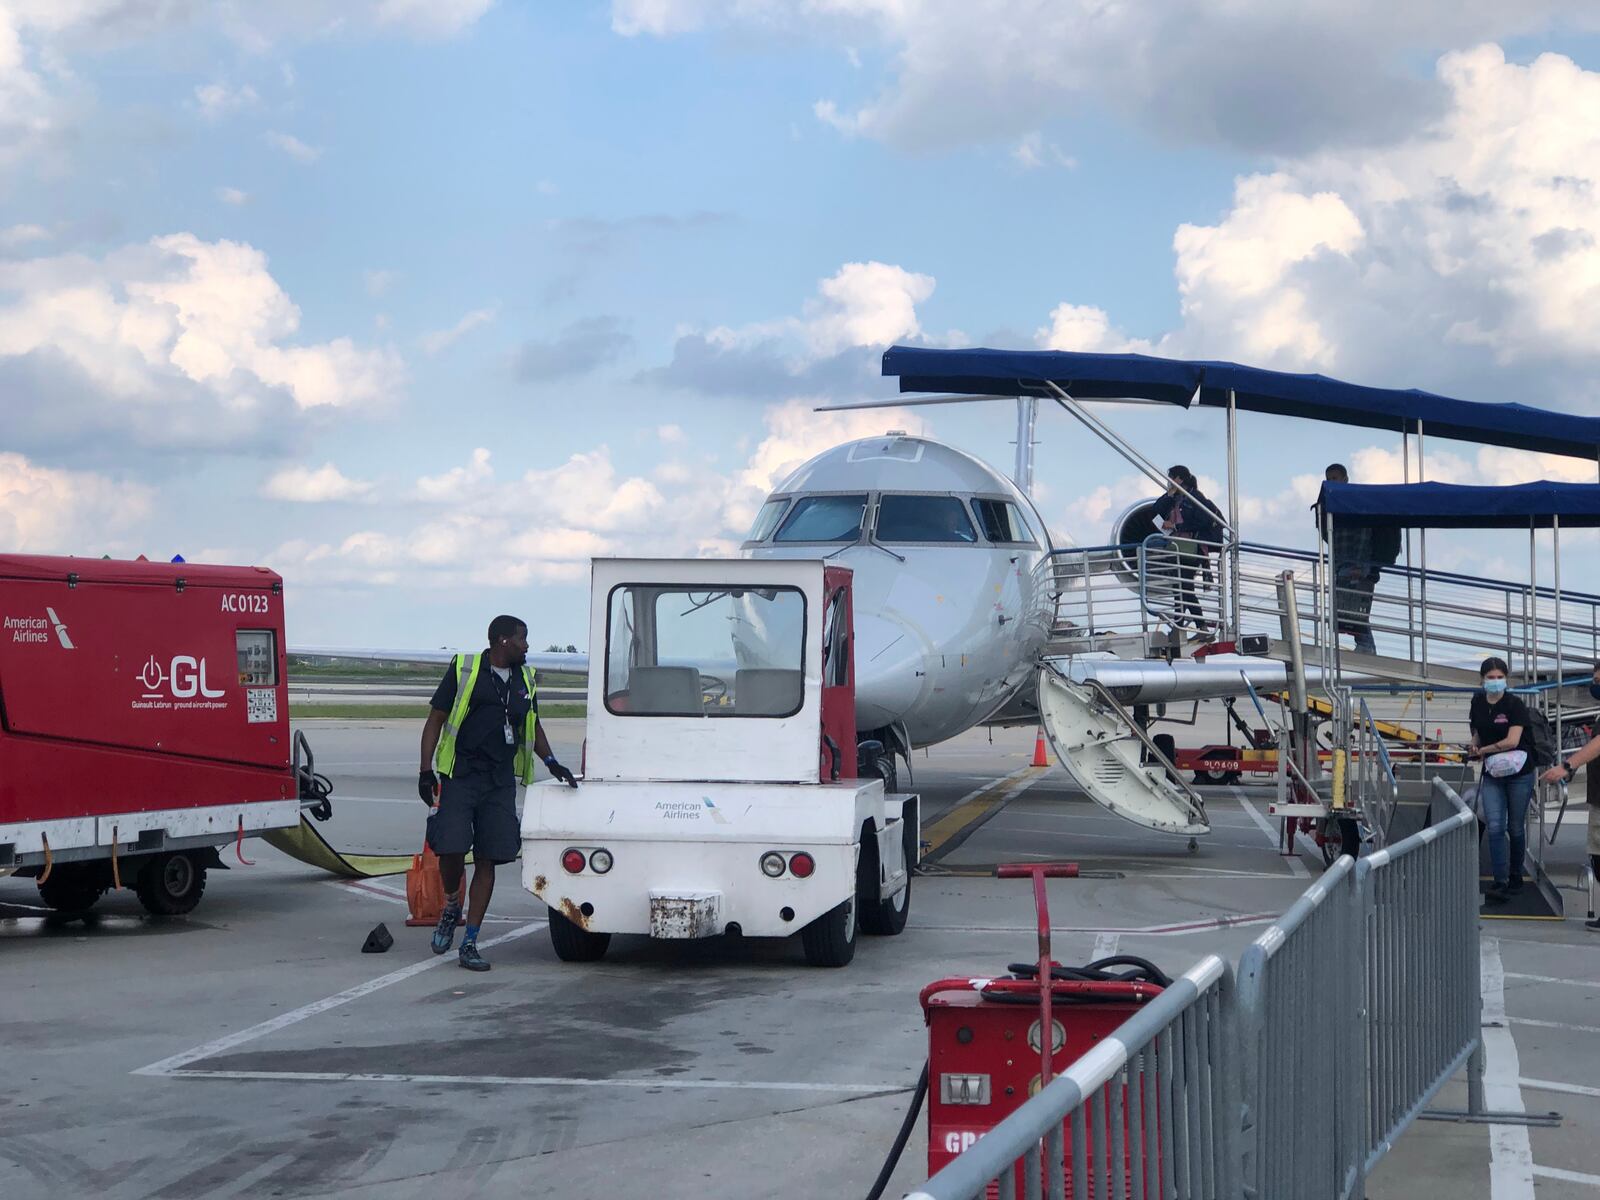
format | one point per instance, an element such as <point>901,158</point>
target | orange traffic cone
<point>1041,757</point>
<point>424,888</point>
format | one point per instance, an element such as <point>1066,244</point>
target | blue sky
<point>270,284</point>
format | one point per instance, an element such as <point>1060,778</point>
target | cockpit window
<point>1003,522</point>
<point>767,520</point>
<point>824,519</point>
<point>924,519</point>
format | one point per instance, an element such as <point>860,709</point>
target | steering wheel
<point>713,689</point>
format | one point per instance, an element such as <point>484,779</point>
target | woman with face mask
<point>1502,739</point>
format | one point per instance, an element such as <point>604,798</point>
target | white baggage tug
<point>719,792</point>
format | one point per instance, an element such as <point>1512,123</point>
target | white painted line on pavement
<point>1296,867</point>
<point>1182,930</point>
<point>1567,1176</point>
<point>1552,1085</point>
<point>172,1064</point>
<point>1556,1025</point>
<point>1583,983</point>
<point>543,1081</point>
<point>1510,1154</point>
<point>367,887</point>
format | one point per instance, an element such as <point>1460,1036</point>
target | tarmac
<point>251,1050</point>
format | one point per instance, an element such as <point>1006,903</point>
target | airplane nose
<point>889,665</point>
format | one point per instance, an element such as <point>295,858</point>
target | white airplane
<point>949,614</point>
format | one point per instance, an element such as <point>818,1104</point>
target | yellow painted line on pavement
<point>977,805</point>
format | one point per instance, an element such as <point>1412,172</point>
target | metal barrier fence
<point>1144,1115</point>
<point>1352,1010</point>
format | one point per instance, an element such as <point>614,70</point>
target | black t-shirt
<point>1491,723</point>
<point>481,747</point>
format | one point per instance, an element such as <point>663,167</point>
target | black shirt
<point>481,747</point>
<point>1491,723</point>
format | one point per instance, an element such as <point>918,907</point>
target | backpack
<point>1544,740</point>
<point>1208,521</point>
<point>1386,543</point>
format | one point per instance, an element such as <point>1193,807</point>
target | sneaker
<point>1515,885</point>
<point>445,932</point>
<point>471,959</point>
<point>1496,894</point>
<point>1594,924</point>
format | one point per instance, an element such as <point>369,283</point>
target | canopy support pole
<point>1405,476</point>
<point>1232,550</point>
<point>1027,416</point>
<point>1422,589</point>
<point>1530,616</point>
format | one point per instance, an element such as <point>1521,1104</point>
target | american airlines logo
<point>36,631</point>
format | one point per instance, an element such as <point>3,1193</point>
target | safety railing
<point>1151,1111</point>
<point>1352,1010</point>
<point>1432,621</point>
<point>1295,980</point>
<point>1374,784</point>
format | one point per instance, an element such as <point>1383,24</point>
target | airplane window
<point>824,519</point>
<point>1002,522</point>
<point>767,520</point>
<point>924,519</point>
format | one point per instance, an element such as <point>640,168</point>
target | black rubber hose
<point>901,1138</point>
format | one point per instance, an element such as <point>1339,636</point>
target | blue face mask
<point>1494,687</point>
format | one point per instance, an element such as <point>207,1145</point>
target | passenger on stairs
<point>1502,739</point>
<point>1563,772</point>
<point>1359,554</point>
<point>1194,529</point>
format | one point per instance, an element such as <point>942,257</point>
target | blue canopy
<point>983,372</point>
<point>1456,506</point>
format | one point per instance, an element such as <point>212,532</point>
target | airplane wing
<point>578,664</point>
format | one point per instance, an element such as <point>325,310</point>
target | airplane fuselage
<point>949,614</point>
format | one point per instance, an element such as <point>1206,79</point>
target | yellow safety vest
<point>466,669</point>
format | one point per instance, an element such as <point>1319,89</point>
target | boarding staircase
<point>1154,602</point>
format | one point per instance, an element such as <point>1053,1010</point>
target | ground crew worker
<point>481,736</point>
<point>1563,772</point>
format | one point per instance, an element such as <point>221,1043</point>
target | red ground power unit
<point>144,722</point>
<point>986,1053</point>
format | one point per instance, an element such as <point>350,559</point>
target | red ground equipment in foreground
<point>144,722</point>
<point>986,1049</point>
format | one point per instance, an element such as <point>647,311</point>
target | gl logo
<point>187,676</point>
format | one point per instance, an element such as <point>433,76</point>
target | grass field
<point>406,673</point>
<point>401,712</point>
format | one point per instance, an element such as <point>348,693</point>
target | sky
<point>424,303</point>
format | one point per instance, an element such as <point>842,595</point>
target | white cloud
<point>218,100</point>
<point>314,485</point>
<point>439,339</point>
<point>546,523</point>
<point>1464,259</point>
<point>177,341</point>
<point>49,511</point>
<point>1033,151</point>
<point>1251,73</point>
<point>379,282</point>
<point>232,195</point>
<point>293,147</point>
<point>431,18</point>
<point>23,235</point>
<point>671,435</point>
<point>1085,328</point>
<point>865,304</point>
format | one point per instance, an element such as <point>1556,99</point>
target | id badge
<point>511,737</point>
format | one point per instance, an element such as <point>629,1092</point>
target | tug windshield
<point>673,650</point>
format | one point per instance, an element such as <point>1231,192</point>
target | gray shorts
<point>478,815</point>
